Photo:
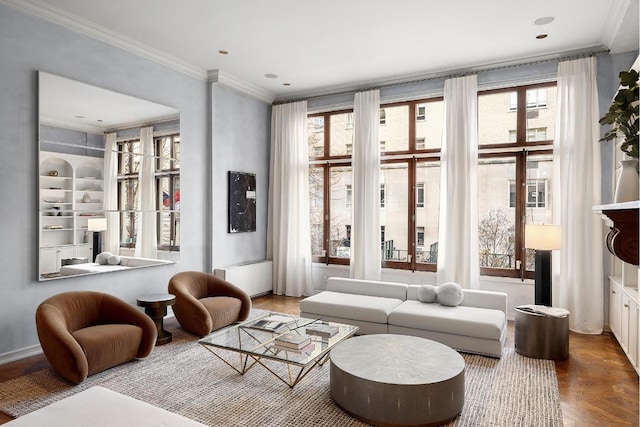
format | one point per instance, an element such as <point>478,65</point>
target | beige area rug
<point>185,378</point>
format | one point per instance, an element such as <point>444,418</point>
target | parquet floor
<point>598,386</point>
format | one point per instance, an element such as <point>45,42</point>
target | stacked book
<point>273,323</point>
<point>322,330</point>
<point>294,342</point>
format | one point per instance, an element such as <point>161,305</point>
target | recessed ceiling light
<point>99,120</point>
<point>541,36</point>
<point>286,84</point>
<point>80,117</point>
<point>223,52</point>
<point>271,76</point>
<point>544,21</point>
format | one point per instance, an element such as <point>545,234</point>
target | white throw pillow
<point>103,258</point>
<point>114,260</point>
<point>427,293</point>
<point>450,294</point>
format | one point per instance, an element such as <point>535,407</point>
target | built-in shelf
<point>622,240</point>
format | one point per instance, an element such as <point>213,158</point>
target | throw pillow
<point>427,293</point>
<point>103,258</point>
<point>114,260</point>
<point>450,294</point>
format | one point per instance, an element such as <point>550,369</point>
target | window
<point>420,236</point>
<point>349,124</point>
<point>514,174</point>
<point>420,195</point>
<point>167,165</point>
<point>331,191</point>
<point>536,98</point>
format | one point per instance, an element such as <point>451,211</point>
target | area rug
<point>185,378</point>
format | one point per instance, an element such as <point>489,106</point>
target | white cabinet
<point>624,308</point>
<point>71,191</point>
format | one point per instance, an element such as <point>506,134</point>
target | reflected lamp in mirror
<point>97,226</point>
<point>544,238</point>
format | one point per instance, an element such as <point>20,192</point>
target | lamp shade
<point>97,224</point>
<point>544,237</point>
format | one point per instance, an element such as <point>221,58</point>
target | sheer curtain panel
<point>147,239</point>
<point>578,276</point>
<point>112,235</point>
<point>458,233</point>
<point>289,229</point>
<point>365,230</point>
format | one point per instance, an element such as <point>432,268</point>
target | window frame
<point>132,178</point>
<point>519,150</point>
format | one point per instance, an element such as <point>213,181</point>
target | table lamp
<point>97,226</point>
<point>543,238</point>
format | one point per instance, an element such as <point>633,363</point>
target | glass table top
<point>250,338</point>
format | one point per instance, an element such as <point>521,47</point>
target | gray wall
<point>29,44</point>
<point>240,127</point>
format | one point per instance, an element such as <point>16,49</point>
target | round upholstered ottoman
<point>397,380</point>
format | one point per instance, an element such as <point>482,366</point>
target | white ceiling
<point>70,104</point>
<point>328,45</point>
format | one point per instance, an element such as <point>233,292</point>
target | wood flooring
<point>597,384</point>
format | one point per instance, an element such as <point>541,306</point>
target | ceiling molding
<point>440,74</point>
<point>98,32</point>
<point>614,21</point>
<point>241,85</point>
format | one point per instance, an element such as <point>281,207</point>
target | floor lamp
<point>543,238</point>
<point>97,226</point>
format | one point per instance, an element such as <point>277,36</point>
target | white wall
<point>240,142</point>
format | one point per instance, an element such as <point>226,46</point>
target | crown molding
<point>614,21</point>
<point>241,85</point>
<point>80,25</point>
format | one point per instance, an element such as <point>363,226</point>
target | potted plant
<point>623,115</point>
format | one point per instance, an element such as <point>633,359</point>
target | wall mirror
<point>109,180</point>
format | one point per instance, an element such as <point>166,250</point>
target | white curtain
<point>578,276</point>
<point>289,229</point>
<point>111,242</point>
<point>458,224</point>
<point>365,229</point>
<point>147,240</point>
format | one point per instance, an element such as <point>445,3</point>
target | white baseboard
<point>22,353</point>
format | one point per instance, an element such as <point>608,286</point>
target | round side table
<point>397,380</point>
<point>542,336</point>
<point>155,305</point>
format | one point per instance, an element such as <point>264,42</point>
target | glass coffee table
<point>247,344</point>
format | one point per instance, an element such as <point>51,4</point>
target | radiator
<point>253,277</point>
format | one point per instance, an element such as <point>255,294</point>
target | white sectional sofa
<point>477,325</point>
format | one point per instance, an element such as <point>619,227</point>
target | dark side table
<point>155,305</point>
<point>542,336</point>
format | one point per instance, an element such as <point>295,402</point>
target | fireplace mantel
<point>622,240</point>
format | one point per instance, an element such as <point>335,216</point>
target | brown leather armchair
<point>205,303</point>
<point>82,333</point>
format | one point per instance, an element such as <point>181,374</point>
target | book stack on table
<point>294,342</point>
<point>322,330</point>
